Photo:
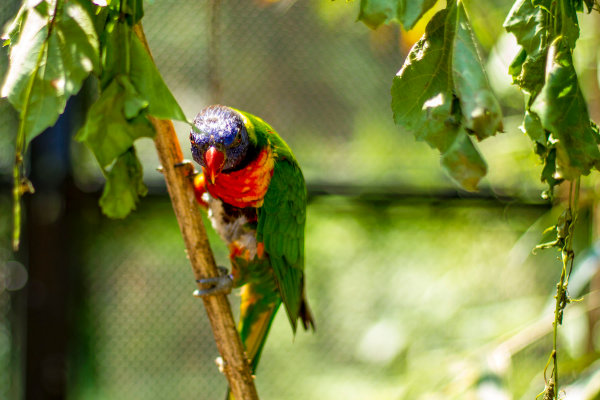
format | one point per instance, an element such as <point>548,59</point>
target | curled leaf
<point>563,111</point>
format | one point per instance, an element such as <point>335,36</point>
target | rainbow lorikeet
<point>256,199</point>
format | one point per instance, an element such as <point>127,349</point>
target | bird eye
<point>238,138</point>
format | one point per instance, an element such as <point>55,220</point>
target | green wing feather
<point>281,227</point>
<point>282,217</point>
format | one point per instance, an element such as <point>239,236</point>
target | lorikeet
<point>256,199</point>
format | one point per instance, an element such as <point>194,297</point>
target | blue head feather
<point>223,128</point>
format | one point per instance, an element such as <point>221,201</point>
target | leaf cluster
<point>55,45</point>
<point>441,94</point>
<point>556,116</point>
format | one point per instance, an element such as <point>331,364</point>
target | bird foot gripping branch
<point>188,168</point>
<point>221,284</point>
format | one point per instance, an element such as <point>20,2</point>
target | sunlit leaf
<point>12,31</point>
<point>422,89</point>
<point>57,63</point>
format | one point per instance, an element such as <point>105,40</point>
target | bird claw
<point>221,284</point>
<point>188,168</point>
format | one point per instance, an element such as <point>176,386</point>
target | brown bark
<point>235,364</point>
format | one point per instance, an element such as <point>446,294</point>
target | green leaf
<point>532,126</point>
<point>124,186</point>
<point>115,38</point>
<point>478,104</point>
<point>533,72</point>
<point>373,13</point>
<point>563,111</point>
<point>13,30</point>
<point>422,89</point>
<point>516,66</point>
<point>133,10</point>
<point>530,25</point>
<point>57,63</point>
<point>569,26</point>
<point>134,61</point>
<point>442,65</point>
<point>549,174</point>
<point>114,121</point>
<point>463,162</point>
<point>149,83</point>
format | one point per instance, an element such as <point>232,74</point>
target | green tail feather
<point>259,308</point>
<point>254,331</point>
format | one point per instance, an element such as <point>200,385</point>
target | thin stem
<point>557,311</point>
<point>568,256</point>
<point>19,186</point>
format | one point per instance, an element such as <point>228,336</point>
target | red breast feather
<point>248,186</point>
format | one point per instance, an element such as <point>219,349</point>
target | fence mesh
<point>409,299</point>
<point>390,306</point>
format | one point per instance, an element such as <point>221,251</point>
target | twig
<point>235,365</point>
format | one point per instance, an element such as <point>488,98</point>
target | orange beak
<point>214,160</point>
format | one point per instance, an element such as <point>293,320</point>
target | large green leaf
<point>407,12</point>
<point>48,65</point>
<point>114,121</point>
<point>124,186</point>
<point>442,96</point>
<point>563,111</point>
<point>422,89</point>
<point>481,111</point>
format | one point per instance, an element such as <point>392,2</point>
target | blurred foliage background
<point>419,290</point>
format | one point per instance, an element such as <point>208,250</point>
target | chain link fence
<point>409,297</point>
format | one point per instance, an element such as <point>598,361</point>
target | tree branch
<point>235,366</point>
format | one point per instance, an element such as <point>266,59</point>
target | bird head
<point>219,140</point>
